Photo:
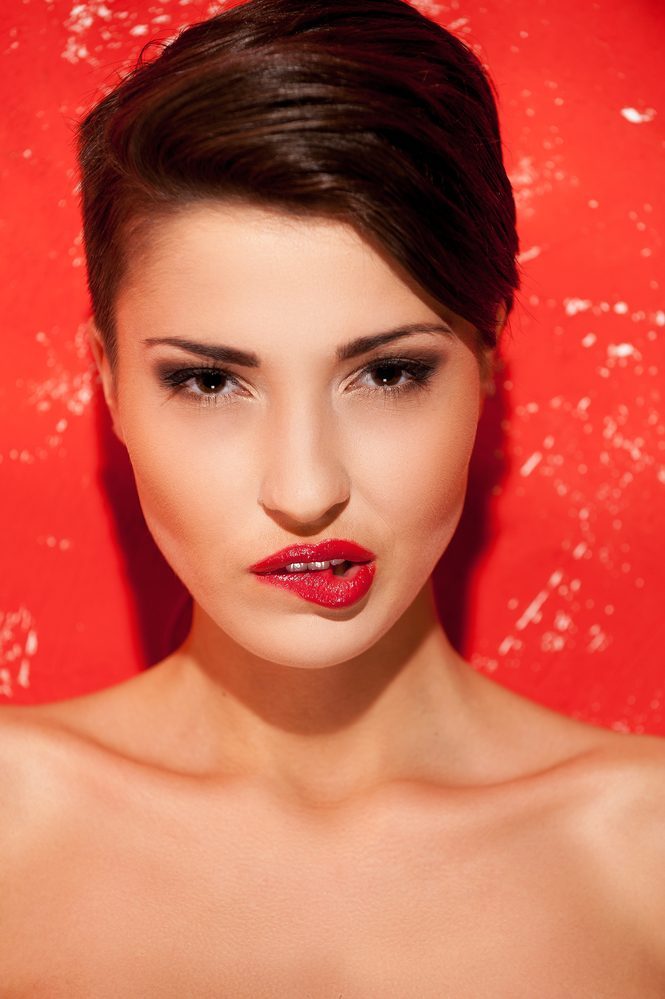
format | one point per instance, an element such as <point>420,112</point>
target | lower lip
<point>322,587</point>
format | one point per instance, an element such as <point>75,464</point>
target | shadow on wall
<point>162,605</point>
<point>488,469</point>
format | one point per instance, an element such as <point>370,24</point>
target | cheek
<point>417,471</point>
<point>192,480</point>
<point>444,491</point>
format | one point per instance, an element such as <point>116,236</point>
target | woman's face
<point>303,446</point>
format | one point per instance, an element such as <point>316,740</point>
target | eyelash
<point>420,373</point>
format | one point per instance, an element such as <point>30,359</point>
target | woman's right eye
<point>202,385</point>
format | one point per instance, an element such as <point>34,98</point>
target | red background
<point>553,584</point>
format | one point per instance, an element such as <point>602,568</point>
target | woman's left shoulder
<point>622,800</point>
<point>632,768</point>
<point>626,773</point>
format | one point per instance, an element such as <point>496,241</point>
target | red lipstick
<point>337,585</point>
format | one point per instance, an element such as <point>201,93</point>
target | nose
<point>304,481</point>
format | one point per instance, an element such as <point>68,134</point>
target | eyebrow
<point>355,348</point>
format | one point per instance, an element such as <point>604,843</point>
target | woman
<point>301,251</point>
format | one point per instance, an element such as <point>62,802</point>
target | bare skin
<point>122,876</point>
<point>299,801</point>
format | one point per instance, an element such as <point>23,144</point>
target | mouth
<point>338,567</point>
<point>335,586</point>
<point>333,557</point>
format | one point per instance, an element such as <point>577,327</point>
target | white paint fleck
<point>574,305</point>
<point>531,463</point>
<point>430,8</point>
<point>589,340</point>
<point>31,643</point>
<point>509,643</point>
<point>599,640</point>
<point>562,621</point>
<point>529,254</point>
<point>532,610</point>
<point>636,117</point>
<point>552,642</point>
<point>622,350</point>
<point>461,22</point>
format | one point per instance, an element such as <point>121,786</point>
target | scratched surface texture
<point>553,584</point>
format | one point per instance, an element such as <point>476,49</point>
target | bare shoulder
<point>603,792</point>
<point>619,794</point>
<point>105,720</point>
<point>615,779</point>
<point>24,736</point>
<point>48,764</point>
<point>31,793</point>
<point>628,773</point>
<point>33,749</point>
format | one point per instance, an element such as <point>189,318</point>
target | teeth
<point>312,566</point>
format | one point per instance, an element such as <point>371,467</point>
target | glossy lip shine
<point>321,586</point>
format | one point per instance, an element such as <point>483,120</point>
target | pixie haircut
<point>367,112</point>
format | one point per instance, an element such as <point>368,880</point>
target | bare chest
<point>261,906</point>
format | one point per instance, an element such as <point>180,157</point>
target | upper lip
<point>321,552</point>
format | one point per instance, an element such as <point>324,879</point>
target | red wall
<point>554,583</point>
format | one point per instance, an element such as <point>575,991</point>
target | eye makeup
<point>206,385</point>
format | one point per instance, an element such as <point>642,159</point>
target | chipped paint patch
<point>18,645</point>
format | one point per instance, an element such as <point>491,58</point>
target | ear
<point>106,374</point>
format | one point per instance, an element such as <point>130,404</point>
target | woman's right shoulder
<point>24,730</point>
<point>34,757</point>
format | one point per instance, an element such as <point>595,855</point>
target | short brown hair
<point>367,112</point>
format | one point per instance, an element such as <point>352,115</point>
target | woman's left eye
<point>206,385</point>
<point>389,372</point>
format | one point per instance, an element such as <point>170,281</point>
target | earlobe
<point>100,355</point>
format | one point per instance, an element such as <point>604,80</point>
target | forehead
<point>267,281</point>
<point>247,259</point>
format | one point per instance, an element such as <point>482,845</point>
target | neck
<point>395,712</point>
